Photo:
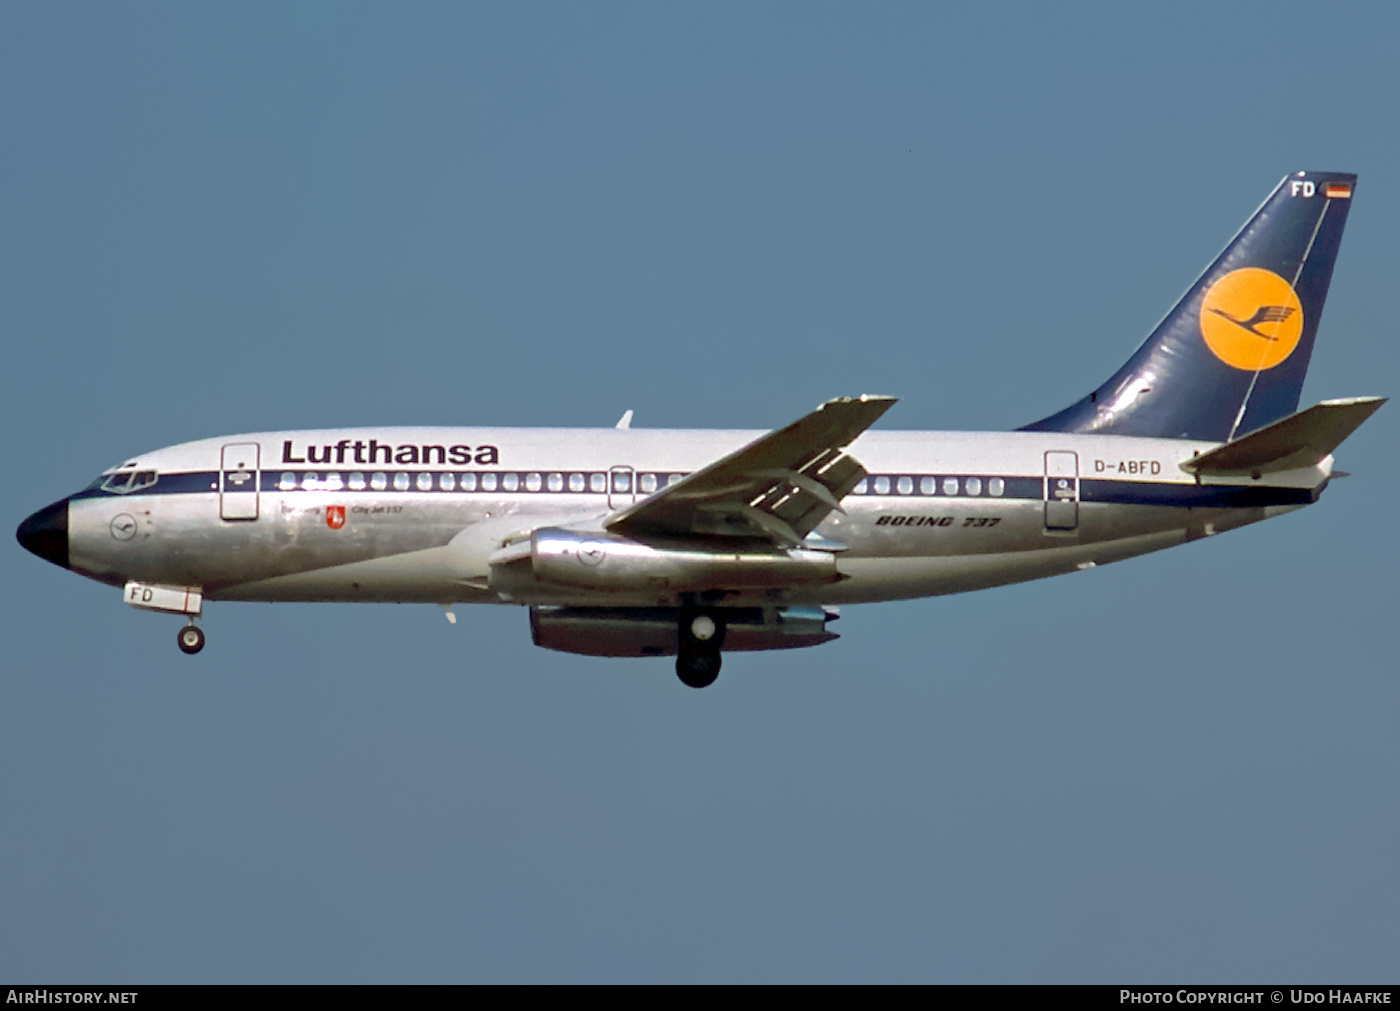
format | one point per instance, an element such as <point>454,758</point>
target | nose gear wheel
<point>191,639</point>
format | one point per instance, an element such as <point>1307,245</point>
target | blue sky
<point>218,220</point>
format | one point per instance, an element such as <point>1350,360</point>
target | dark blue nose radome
<point>46,533</point>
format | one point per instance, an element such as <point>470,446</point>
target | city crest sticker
<point>335,517</point>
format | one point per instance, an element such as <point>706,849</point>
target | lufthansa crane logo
<point>123,526</point>
<point>1251,319</point>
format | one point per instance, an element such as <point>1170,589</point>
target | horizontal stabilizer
<point>1300,440</point>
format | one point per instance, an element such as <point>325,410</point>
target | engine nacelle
<point>654,631</point>
<point>606,562</point>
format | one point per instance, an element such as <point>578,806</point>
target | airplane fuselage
<point>410,515</point>
<point>647,542</point>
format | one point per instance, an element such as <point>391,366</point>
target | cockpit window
<point>124,482</point>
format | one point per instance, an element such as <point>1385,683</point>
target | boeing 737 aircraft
<point>628,542</point>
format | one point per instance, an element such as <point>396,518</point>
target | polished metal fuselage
<point>1063,502</point>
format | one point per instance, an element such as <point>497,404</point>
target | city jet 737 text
<point>630,542</point>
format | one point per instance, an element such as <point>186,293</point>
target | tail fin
<point>1231,356</point>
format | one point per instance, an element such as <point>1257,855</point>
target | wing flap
<point>777,488</point>
<point>1300,440</point>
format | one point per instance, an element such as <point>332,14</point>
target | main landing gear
<point>701,636</point>
<point>191,639</point>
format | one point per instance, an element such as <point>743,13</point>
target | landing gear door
<point>239,476</point>
<point>1061,491</point>
<point>622,487</point>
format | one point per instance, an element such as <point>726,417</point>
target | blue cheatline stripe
<point>1147,493</point>
<point>1192,496</point>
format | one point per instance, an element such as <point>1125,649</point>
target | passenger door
<point>1061,491</point>
<point>239,476</point>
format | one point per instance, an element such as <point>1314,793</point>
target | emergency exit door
<point>239,477</point>
<point>622,487</point>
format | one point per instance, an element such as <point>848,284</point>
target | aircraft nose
<point>46,533</point>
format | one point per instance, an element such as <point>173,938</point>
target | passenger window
<point>379,482</point>
<point>488,482</point>
<point>510,482</point>
<point>532,482</point>
<point>598,483</point>
<point>996,487</point>
<point>309,481</point>
<point>648,482</point>
<point>950,486</point>
<point>862,486</point>
<point>882,486</point>
<point>927,485</point>
<point>424,480</point>
<point>575,482</point>
<point>556,482</point>
<point>288,481</point>
<point>906,486</point>
<point>401,481</point>
<point>974,486</point>
<point>673,479</point>
<point>622,481</point>
<point>357,481</point>
<point>468,482</point>
<point>447,482</point>
<point>332,482</point>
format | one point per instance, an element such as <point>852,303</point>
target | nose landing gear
<point>186,600</point>
<point>191,639</point>
<point>701,636</point>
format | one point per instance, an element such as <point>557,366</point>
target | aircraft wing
<point>777,488</point>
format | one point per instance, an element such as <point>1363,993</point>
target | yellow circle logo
<point>1251,319</point>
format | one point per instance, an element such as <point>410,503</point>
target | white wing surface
<point>776,489</point>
